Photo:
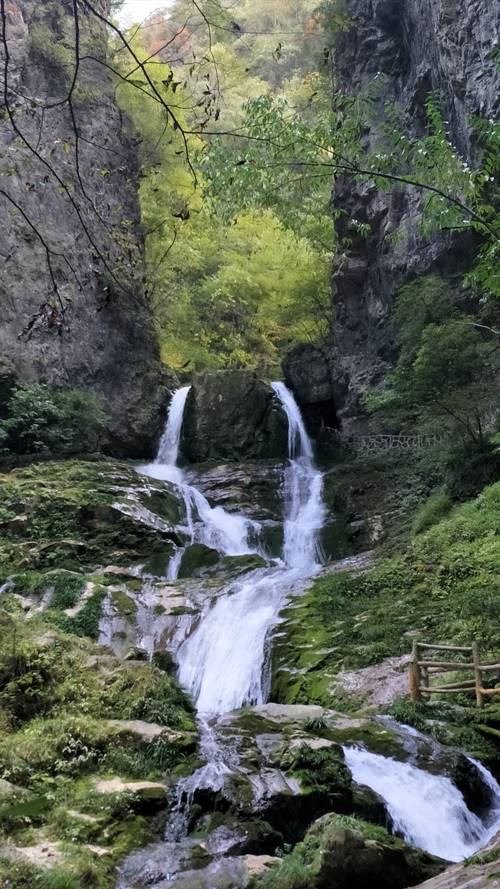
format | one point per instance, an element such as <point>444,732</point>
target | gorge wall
<point>419,46</point>
<point>69,177</point>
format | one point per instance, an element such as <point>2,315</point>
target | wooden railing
<point>423,668</point>
<point>389,442</point>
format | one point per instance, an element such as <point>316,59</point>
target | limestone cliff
<point>419,46</point>
<point>69,192</point>
<point>233,415</point>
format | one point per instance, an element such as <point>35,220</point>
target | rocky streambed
<point>100,750</point>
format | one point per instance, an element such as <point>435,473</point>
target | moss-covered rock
<point>72,716</point>
<point>341,852</point>
<point>198,559</point>
<point>73,513</point>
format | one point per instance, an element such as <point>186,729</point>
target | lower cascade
<point>427,810</point>
<point>223,660</point>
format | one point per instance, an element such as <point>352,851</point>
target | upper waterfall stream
<point>220,674</point>
<point>231,534</point>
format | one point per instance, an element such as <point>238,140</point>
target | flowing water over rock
<point>222,675</point>
<point>223,659</point>
<point>231,534</point>
<point>427,810</point>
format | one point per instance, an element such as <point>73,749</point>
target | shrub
<point>28,674</point>
<point>322,770</point>
<point>430,512</point>
<point>44,421</point>
<point>470,467</point>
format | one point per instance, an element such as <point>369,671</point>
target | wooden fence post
<point>415,679</point>
<point>477,674</point>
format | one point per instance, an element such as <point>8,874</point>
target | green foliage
<point>321,770</point>
<point>86,622</point>
<point>408,713</point>
<point>27,677</point>
<point>261,176</point>
<point>470,468</point>
<point>67,590</point>
<point>54,747</point>
<point>434,509</point>
<point>56,878</point>
<point>445,588</point>
<point>45,421</point>
<point>233,282</point>
<point>456,196</point>
<point>447,366</point>
<point>55,52</point>
<point>148,694</point>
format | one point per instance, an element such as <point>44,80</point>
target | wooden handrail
<point>445,647</point>
<point>452,665</point>
<point>421,669</point>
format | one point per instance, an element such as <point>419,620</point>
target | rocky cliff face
<point>419,46</point>
<point>68,199</point>
<point>233,415</point>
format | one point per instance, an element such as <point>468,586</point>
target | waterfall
<point>305,512</point>
<point>427,810</point>
<point>232,535</point>
<point>168,451</point>
<point>222,662</point>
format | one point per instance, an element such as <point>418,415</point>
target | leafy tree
<point>448,365</point>
<point>44,421</point>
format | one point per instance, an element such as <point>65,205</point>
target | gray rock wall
<point>106,342</point>
<point>419,46</point>
<point>233,415</point>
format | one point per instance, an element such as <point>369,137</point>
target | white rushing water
<point>428,810</point>
<point>222,662</point>
<point>232,535</point>
<point>305,511</point>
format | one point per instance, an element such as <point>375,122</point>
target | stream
<point>224,658</point>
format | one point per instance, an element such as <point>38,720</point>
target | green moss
<point>67,589</point>
<point>434,509</point>
<point>445,588</point>
<point>75,516</point>
<point>86,622</point>
<point>321,770</point>
<point>124,605</point>
<point>53,51</point>
<point>146,692</point>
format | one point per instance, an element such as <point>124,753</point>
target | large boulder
<point>481,871</point>
<point>232,415</point>
<point>84,513</point>
<point>340,852</point>
<point>308,374</point>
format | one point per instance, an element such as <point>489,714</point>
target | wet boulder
<point>354,856</point>
<point>197,559</point>
<point>251,488</point>
<point>232,415</point>
<point>308,374</point>
<point>341,852</point>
